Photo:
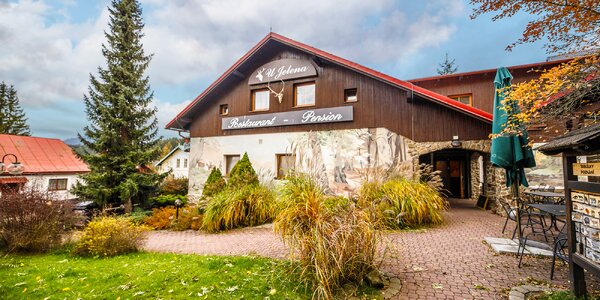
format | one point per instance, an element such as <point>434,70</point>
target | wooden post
<point>576,273</point>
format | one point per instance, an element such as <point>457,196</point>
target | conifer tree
<point>214,183</point>
<point>448,66</point>
<point>122,134</point>
<point>242,174</point>
<point>12,116</point>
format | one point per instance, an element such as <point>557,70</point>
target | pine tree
<point>122,134</point>
<point>214,183</point>
<point>242,174</point>
<point>448,66</point>
<point>12,116</point>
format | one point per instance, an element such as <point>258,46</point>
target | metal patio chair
<point>560,249</point>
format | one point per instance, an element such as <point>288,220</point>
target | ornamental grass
<point>249,205</point>
<point>333,240</point>
<point>400,203</point>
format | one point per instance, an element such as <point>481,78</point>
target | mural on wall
<point>339,158</point>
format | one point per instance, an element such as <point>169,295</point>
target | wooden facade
<point>379,104</point>
<point>480,86</point>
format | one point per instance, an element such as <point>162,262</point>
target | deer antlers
<point>280,94</point>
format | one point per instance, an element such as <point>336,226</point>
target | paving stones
<point>508,246</point>
<point>521,292</point>
<point>452,256</point>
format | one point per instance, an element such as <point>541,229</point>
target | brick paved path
<point>247,241</point>
<point>446,262</point>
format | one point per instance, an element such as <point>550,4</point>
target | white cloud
<point>47,61</point>
<point>49,56</point>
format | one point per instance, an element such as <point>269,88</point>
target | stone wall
<point>341,158</point>
<point>475,175</point>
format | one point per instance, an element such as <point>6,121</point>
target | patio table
<point>553,210</point>
<point>547,195</point>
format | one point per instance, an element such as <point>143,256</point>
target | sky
<point>49,48</point>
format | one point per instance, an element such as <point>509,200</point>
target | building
<point>176,162</point>
<point>49,165</point>
<point>476,89</point>
<point>289,104</point>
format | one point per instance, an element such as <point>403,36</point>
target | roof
<point>572,139</point>
<point>182,147</point>
<point>427,94</point>
<point>41,155</point>
<point>492,71</point>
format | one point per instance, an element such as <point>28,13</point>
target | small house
<point>48,165</point>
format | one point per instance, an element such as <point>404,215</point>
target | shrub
<point>214,183</point>
<point>242,174</point>
<point>137,216</point>
<point>247,206</point>
<point>400,203</point>
<point>174,186</point>
<point>189,218</point>
<point>165,218</point>
<point>161,218</point>
<point>168,200</point>
<point>31,221</point>
<point>110,236</point>
<point>335,241</point>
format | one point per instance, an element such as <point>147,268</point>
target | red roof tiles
<point>41,155</point>
<point>427,94</point>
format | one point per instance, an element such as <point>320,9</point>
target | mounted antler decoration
<point>280,94</point>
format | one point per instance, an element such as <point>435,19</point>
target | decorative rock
<point>374,279</point>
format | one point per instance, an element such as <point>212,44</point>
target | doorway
<point>454,168</point>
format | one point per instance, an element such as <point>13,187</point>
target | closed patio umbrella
<point>510,151</point>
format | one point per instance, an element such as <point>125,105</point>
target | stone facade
<point>341,159</point>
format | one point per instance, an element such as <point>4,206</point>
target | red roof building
<point>49,164</point>
<point>42,155</point>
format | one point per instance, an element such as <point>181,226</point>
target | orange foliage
<point>569,25</point>
<point>164,218</point>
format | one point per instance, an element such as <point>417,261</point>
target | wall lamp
<point>14,168</point>
<point>456,142</point>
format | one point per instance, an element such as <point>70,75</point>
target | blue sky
<point>50,47</point>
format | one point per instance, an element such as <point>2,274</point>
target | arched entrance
<point>455,167</point>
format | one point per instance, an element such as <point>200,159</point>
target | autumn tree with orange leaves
<point>571,28</point>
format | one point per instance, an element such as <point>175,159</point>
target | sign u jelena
<point>282,69</point>
<point>299,117</point>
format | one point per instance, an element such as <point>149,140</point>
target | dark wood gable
<point>379,104</point>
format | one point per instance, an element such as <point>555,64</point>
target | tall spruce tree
<point>12,116</point>
<point>122,134</point>
<point>448,66</point>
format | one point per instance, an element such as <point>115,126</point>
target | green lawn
<point>146,275</point>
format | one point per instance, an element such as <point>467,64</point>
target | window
<point>350,95</point>
<point>464,98</point>
<point>57,184</point>
<point>260,100</point>
<point>285,162</point>
<point>304,94</point>
<point>185,162</point>
<point>178,164</point>
<point>223,109</point>
<point>230,161</point>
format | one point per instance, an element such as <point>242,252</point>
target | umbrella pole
<point>515,192</point>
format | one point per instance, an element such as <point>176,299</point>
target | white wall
<point>41,182</point>
<point>339,156</point>
<point>170,164</point>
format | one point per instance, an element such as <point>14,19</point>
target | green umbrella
<point>510,151</point>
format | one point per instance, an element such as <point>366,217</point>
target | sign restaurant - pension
<point>311,116</point>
